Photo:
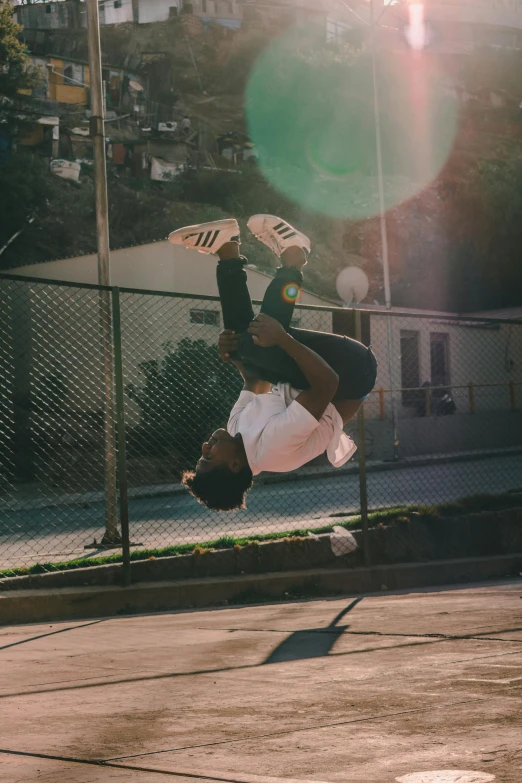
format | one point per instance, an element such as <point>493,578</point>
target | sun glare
<point>416,32</point>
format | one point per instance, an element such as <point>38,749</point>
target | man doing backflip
<point>300,387</point>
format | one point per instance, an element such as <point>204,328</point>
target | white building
<point>158,266</point>
<point>157,10</point>
<point>495,13</point>
<point>64,321</point>
<point>455,27</point>
<point>418,347</point>
<point>478,359</point>
<point>64,13</point>
<point>117,11</point>
<point>165,298</point>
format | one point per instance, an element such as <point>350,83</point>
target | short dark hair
<point>219,489</point>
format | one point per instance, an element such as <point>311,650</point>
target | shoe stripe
<point>205,243</point>
<point>279,225</point>
<point>213,238</point>
<point>200,237</point>
<point>292,234</point>
<point>284,230</point>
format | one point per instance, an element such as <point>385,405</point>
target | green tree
<point>186,395</point>
<point>16,72</point>
<point>25,186</point>
<point>492,69</point>
<point>22,177</point>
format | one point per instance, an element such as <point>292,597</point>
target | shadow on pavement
<point>51,633</point>
<point>311,643</point>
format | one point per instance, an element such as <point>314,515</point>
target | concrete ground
<point>371,689</point>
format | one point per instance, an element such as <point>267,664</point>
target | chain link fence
<point>97,424</point>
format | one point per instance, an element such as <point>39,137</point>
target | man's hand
<point>267,331</point>
<point>227,344</point>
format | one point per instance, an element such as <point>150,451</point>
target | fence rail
<point>427,392</point>
<point>170,389</point>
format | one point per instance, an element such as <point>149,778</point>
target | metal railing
<point>427,392</point>
<point>170,389</point>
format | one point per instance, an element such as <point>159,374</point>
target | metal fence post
<point>382,407</point>
<point>427,400</point>
<point>361,457</point>
<point>111,537</point>
<point>471,396</point>
<point>120,429</point>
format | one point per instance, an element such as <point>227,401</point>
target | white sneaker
<point>206,237</point>
<point>277,234</point>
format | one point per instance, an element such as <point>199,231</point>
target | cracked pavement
<point>352,689</point>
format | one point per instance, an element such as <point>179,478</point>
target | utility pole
<point>383,225</point>
<point>97,133</point>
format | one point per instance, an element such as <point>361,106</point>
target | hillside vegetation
<point>454,246</point>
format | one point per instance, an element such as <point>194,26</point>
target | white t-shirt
<point>280,435</point>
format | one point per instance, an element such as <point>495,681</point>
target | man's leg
<point>282,293</point>
<point>273,364</point>
<point>353,362</point>
<point>236,304</point>
<point>280,296</point>
<point>221,238</point>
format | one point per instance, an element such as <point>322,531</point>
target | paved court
<point>421,687</point>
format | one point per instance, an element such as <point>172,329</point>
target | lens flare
<point>311,116</point>
<point>291,292</point>
<point>417,32</point>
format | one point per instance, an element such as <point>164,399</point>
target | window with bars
<point>73,74</point>
<point>205,317</point>
<point>439,359</point>
<point>410,368</point>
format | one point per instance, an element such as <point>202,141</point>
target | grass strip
<point>400,514</point>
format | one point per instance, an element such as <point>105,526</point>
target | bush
<point>241,194</point>
<point>187,394</point>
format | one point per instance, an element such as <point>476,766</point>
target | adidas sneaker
<point>206,237</point>
<point>277,234</point>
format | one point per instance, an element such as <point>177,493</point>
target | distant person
<point>441,401</point>
<point>318,380</point>
<point>186,124</point>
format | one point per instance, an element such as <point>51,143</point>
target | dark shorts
<point>354,363</point>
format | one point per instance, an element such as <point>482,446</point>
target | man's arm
<point>322,379</point>
<point>227,344</point>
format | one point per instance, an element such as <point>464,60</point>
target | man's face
<point>220,449</point>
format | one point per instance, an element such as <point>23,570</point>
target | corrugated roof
<point>503,312</point>
<point>405,310</point>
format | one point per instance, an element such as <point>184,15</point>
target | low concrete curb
<point>76,603</point>
<point>410,540</point>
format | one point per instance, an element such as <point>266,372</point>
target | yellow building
<point>68,81</point>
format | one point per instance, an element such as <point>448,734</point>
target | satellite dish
<point>136,86</point>
<point>352,284</point>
